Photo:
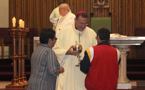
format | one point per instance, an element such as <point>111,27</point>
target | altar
<point>123,44</point>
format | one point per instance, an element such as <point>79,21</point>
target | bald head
<point>64,9</point>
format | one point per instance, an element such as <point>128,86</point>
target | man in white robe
<point>73,78</point>
<point>61,16</point>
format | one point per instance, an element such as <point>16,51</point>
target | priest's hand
<point>72,51</point>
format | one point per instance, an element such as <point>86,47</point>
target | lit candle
<point>14,22</point>
<point>20,23</point>
<point>23,24</point>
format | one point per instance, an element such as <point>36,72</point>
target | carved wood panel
<point>126,14</point>
<point>101,8</point>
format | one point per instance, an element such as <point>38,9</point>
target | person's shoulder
<point>90,30</point>
<point>56,9</point>
<point>72,15</point>
<point>49,50</point>
<point>90,48</point>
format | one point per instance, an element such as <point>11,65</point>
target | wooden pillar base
<point>15,86</point>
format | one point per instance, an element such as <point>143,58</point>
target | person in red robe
<point>100,63</point>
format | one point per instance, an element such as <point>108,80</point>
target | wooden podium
<point>18,57</point>
<point>123,43</point>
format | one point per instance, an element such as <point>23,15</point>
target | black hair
<point>104,35</point>
<point>46,34</point>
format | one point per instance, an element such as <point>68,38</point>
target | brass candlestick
<point>23,56</point>
<point>14,83</point>
<point>18,57</point>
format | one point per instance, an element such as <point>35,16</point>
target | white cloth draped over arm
<point>54,16</point>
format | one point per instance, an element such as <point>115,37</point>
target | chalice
<point>78,48</point>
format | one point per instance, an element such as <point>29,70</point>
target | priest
<point>68,56</point>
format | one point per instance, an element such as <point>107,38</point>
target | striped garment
<point>44,67</point>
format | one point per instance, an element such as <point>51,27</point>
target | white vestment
<point>72,78</point>
<point>54,16</point>
<point>60,22</point>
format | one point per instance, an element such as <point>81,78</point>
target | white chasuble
<point>72,78</point>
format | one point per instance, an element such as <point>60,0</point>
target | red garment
<point>103,72</point>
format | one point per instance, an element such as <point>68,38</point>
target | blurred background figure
<point>61,17</point>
